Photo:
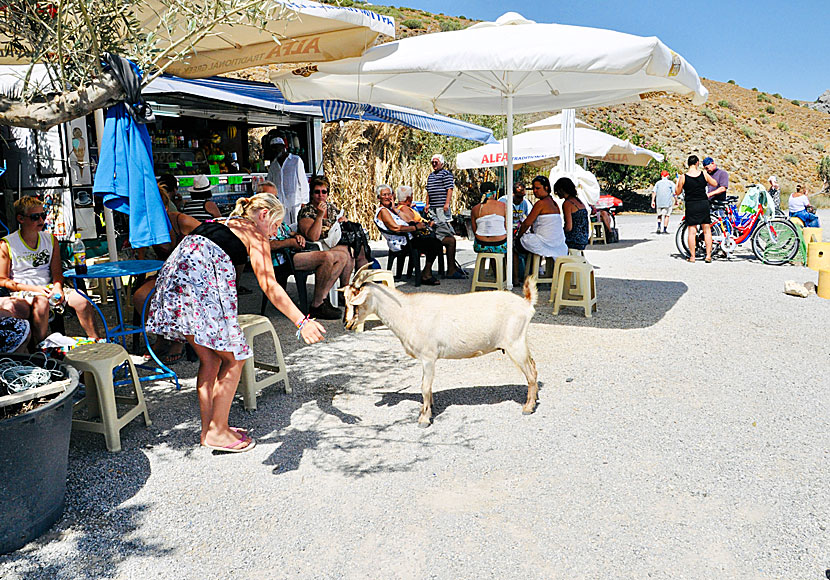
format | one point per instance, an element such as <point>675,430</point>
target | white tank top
<point>30,265</point>
<point>491,225</point>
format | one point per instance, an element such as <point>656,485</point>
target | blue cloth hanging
<point>126,178</point>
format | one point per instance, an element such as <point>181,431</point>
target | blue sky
<point>774,46</point>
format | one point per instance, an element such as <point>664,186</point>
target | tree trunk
<point>63,107</point>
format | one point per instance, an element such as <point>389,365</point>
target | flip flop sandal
<point>234,447</point>
<point>170,359</point>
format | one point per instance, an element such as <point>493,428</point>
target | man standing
<point>662,199</point>
<point>287,171</point>
<point>440,185</point>
<point>722,177</point>
<point>327,266</point>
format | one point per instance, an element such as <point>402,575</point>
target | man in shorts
<point>440,185</point>
<point>662,199</point>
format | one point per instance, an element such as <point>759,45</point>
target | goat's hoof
<point>423,424</point>
<point>526,411</point>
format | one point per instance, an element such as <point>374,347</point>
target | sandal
<point>708,259</point>
<point>171,358</point>
<point>430,281</point>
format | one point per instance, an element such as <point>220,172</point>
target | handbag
<point>810,209</point>
<point>424,233</point>
<point>334,236</point>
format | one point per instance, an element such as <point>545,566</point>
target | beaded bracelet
<point>300,327</point>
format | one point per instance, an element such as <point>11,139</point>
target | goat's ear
<point>360,297</point>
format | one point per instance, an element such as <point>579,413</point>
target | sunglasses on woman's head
<point>37,216</point>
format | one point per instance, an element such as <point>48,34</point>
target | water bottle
<point>79,255</point>
<point>55,300</point>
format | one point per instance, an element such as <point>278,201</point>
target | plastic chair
<point>478,274</point>
<point>253,326</point>
<point>583,294</point>
<point>818,256</point>
<point>535,262</point>
<point>598,232</point>
<point>812,235</point>
<point>384,277</point>
<point>573,257</point>
<point>97,362</point>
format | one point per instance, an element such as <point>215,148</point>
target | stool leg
<point>139,394</point>
<point>248,384</point>
<point>109,412</point>
<point>281,362</point>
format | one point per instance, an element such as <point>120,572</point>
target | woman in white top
<point>29,262</point>
<point>399,233</point>
<point>488,221</point>
<point>798,207</point>
<point>548,235</point>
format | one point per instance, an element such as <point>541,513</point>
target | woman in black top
<point>693,185</point>
<point>196,300</point>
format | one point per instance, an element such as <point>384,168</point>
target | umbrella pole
<point>508,190</point>
<point>108,221</point>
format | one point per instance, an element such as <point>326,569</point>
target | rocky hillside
<point>749,133</point>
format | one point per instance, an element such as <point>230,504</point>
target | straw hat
<point>201,184</point>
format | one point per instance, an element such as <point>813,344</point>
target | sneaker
<point>665,231</point>
<point>325,311</point>
<point>658,231</point>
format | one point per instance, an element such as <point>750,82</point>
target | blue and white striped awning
<point>412,118</point>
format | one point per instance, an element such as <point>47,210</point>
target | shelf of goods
<point>228,187</point>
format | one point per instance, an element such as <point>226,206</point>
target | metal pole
<point>508,190</point>
<point>108,220</point>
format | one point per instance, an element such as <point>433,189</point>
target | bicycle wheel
<point>681,240</point>
<point>775,242</point>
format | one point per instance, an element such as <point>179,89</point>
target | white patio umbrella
<point>542,148</point>
<point>555,122</point>
<point>498,68</point>
<point>307,32</point>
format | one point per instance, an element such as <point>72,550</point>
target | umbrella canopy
<point>542,148</point>
<point>555,122</point>
<point>499,68</point>
<point>318,32</point>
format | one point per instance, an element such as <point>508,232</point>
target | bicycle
<point>774,241</point>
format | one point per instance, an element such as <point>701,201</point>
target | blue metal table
<point>121,330</point>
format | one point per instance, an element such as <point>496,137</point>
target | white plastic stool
<point>598,232</point>
<point>535,262</point>
<point>254,325</point>
<point>478,273</point>
<point>385,277</point>
<point>573,257</point>
<point>97,362</point>
<point>583,294</point>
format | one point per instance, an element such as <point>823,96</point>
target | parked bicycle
<point>774,240</point>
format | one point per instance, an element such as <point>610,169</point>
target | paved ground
<point>681,433</point>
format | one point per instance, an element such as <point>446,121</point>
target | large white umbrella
<point>498,68</point>
<point>302,31</point>
<point>555,122</point>
<point>541,149</point>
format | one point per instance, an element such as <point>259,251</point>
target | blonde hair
<point>247,206</point>
<point>26,202</point>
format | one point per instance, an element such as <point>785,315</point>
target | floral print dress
<point>196,295</point>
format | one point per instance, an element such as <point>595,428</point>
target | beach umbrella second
<point>512,65</point>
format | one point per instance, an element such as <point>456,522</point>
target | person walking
<point>662,200</point>
<point>440,186</point>
<point>693,185</point>
<point>195,301</point>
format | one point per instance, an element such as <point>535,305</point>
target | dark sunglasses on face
<point>321,191</point>
<point>37,216</point>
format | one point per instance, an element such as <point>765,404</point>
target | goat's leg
<point>521,356</point>
<point>426,390</point>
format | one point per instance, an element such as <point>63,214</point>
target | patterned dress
<point>196,295</point>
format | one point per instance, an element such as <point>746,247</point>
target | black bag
<point>355,238</point>
<point>422,233</point>
<point>810,209</point>
<point>612,236</point>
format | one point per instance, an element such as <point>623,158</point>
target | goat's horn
<point>358,277</point>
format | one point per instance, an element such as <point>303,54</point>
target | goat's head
<point>355,295</point>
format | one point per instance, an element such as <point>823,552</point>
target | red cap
<point>664,173</point>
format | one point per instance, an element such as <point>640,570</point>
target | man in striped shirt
<point>440,185</point>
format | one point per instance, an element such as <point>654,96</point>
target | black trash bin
<point>33,460</point>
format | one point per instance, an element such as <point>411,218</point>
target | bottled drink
<point>79,255</point>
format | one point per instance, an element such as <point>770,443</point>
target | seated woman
<point>29,263</point>
<point>799,206</point>
<point>574,213</point>
<point>315,220</point>
<point>547,238</point>
<point>180,226</point>
<point>399,233</point>
<point>488,219</point>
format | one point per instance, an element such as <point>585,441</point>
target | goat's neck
<point>390,306</point>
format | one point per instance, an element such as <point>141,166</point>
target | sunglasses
<point>37,216</point>
<point>321,191</point>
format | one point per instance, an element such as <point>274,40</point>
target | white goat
<point>432,326</point>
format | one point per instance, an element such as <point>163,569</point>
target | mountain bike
<point>773,240</point>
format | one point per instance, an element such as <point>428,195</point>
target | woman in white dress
<point>547,237</point>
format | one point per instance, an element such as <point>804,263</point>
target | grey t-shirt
<point>664,190</point>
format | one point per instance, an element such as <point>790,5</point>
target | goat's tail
<point>530,290</point>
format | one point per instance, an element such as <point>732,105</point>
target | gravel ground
<point>679,434</point>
